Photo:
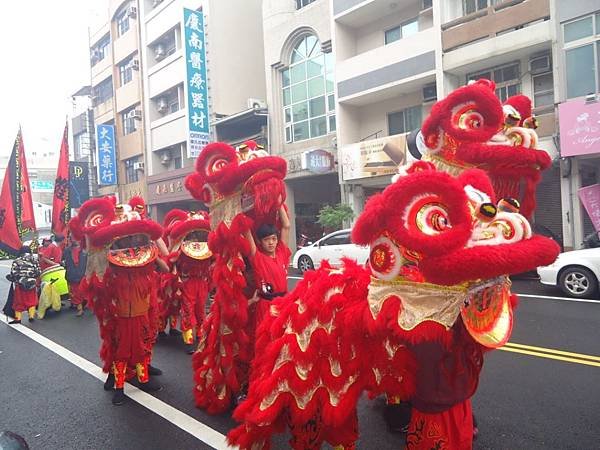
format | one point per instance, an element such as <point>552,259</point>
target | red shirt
<point>51,252</point>
<point>272,270</point>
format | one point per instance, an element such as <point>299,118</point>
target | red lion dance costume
<point>242,189</point>
<point>122,284</point>
<point>186,286</point>
<point>415,324</point>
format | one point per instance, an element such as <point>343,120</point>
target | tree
<point>333,217</point>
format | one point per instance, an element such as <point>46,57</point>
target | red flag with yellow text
<point>10,199</point>
<point>61,210</point>
<point>27,216</point>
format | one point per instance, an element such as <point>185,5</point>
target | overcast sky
<point>45,59</point>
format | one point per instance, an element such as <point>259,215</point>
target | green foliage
<point>333,217</point>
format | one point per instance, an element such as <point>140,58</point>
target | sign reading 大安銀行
<point>196,82</point>
<point>107,167</point>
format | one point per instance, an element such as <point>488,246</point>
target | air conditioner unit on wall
<point>540,64</point>
<point>138,166</point>
<point>159,52</point>
<point>135,64</point>
<point>165,157</point>
<point>255,103</point>
<point>429,93</point>
<point>162,105</point>
<point>135,114</point>
<point>132,12</point>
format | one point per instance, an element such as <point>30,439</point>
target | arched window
<point>308,100</point>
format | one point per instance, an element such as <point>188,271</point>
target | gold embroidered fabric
<point>226,210</point>
<point>97,262</point>
<point>420,301</point>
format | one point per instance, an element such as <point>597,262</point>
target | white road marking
<point>564,299</point>
<point>181,420</point>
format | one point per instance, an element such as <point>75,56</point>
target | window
<point>582,55</point>
<point>427,4</point>
<point>303,3</point>
<point>402,31</point>
<point>128,121</point>
<point>506,77</point>
<point>170,43</point>
<point>308,100</point>
<point>405,121</point>
<point>123,21</point>
<point>543,90</point>
<point>125,71</point>
<point>102,92</point>
<point>470,6</point>
<point>131,173</point>
<point>100,50</point>
<point>338,239</point>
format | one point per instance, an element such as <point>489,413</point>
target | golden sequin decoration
<point>196,250</point>
<point>133,257</point>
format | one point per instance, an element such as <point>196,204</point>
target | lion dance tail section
<point>309,370</point>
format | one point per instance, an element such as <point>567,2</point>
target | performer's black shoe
<point>162,334</point>
<point>119,397</point>
<point>151,386</point>
<point>109,384</point>
<point>31,319</point>
<point>154,371</point>
<point>174,332</point>
<point>397,417</point>
<point>14,321</point>
<point>190,349</point>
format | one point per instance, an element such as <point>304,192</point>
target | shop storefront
<point>167,191</point>
<point>580,151</point>
<point>312,182</point>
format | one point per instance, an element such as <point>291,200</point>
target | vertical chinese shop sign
<point>107,167</point>
<point>196,82</point>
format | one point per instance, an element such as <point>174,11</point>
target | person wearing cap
<point>23,273</point>
<point>50,254</point>
<point>75,264</point>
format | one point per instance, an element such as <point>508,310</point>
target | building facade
<point>300,69</point>
<point>116,83</point>
<point>577,53</point>
<point>235,86</point>
<point>395,58</point>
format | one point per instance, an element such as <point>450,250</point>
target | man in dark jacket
<point>75,259</point>
<point>23,273</point>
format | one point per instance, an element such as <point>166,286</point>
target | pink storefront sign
<point>590,198</point>
<point>579,127</point>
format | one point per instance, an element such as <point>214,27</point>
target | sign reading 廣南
<point>196,82</point>
<point>107,167</point>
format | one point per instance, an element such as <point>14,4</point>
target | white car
<point>576,272</point>
<point>333,248</point>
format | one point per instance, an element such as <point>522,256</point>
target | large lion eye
<point>93,220</point>
<point>385,259</point>
<point>215,165</point>
<point>466,117</point>
<point>428,215</point>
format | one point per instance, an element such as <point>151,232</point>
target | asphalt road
<point>529,397</point>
